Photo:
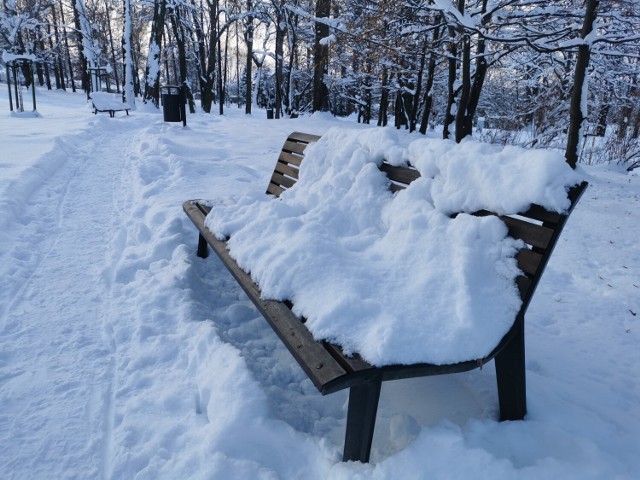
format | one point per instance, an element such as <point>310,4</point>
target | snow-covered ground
<point>123,355</point>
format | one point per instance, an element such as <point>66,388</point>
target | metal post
<point>183,100</point>
<point>511,376</point>
<point>203,248</point>
<point>33,86</point>
<point>15,86</point>
<point>361,420</point>
<point>9,87</point>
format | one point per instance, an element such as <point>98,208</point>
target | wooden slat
<point>403,175</point>
<point>287,157</point>
<point>529,261</point>
<point>524,285</point>
<point>350,364</point>
<point>287,169</point>
<point>205,209</point>
<point>532,234</point>
<point>536,212</point>
<point>274,189</point>
<point>551,219</point>
<point>281,180</point>
<point>295,147</point>
<point>304,137</point>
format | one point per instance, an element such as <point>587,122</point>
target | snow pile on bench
<point>104,101</point>
<point>395,277</point>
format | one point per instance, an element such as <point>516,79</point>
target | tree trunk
<point>428,94</point>
<point>465,91</point>
<point>578,111</point>
<point>449,116</point>
<point>220,83</point>
<point>321,58</point>
<point>292,39</point>
<point>56,59</point>
<point>47,78</point>
<point>478,81</point>
<point>384,100</point>
<point>200,51</point>
<point>178,32</point>
<point>280,36</point>
<point>80,32</point>
<point>152,71</point>
<point>248,40</point>
<point>601,127</point>
<point>60,82</point>
<point>413,115</point>
<point>113,49</point>
<point>636,125</point>
<point>206,93</point>
<point>129,85</point>
<point>66,44</point>
<point>451,92</point>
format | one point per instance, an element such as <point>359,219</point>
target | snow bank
<point>395,277</point>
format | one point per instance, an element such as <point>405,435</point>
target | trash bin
<point>270,113</point>
<point>172,101</point>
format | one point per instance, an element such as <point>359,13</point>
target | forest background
<point>561,74</point>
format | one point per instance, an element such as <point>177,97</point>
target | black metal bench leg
<point>203,248</point>
<point>510,373</point>
<point>361,420</point>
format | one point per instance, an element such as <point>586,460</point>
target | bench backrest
<point>285,174</point>
<point>538,228</point>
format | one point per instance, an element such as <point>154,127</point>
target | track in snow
<point>56,356</point>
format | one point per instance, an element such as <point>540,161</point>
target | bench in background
<point>107,102</point>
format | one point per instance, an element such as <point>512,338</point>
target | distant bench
<point>331,370</point>
<point>107,102</point>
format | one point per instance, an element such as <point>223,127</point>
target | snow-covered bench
<point>331,370</point>
<point>107,102</point>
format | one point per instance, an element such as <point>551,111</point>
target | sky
<point>125,356</point>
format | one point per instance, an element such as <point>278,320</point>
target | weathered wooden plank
<point>304,137</point>
<point>294,147</point>
<point>396,187</point>
<point>283,181</point>
<point>404,175</point>
<point>274,189</point>
<point>529,261</point>
<point>536,212</point>
<point>535,235</point>
<point>287,170</point>
<point>524,286</point>
<point>287,157</point>
<point>351,364</point>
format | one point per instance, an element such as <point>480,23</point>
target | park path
<point>57,353</point>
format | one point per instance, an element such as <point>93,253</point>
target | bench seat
<point>107,102</point>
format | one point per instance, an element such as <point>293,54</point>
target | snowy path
<point>104,372</point>
<point>61,366</point>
